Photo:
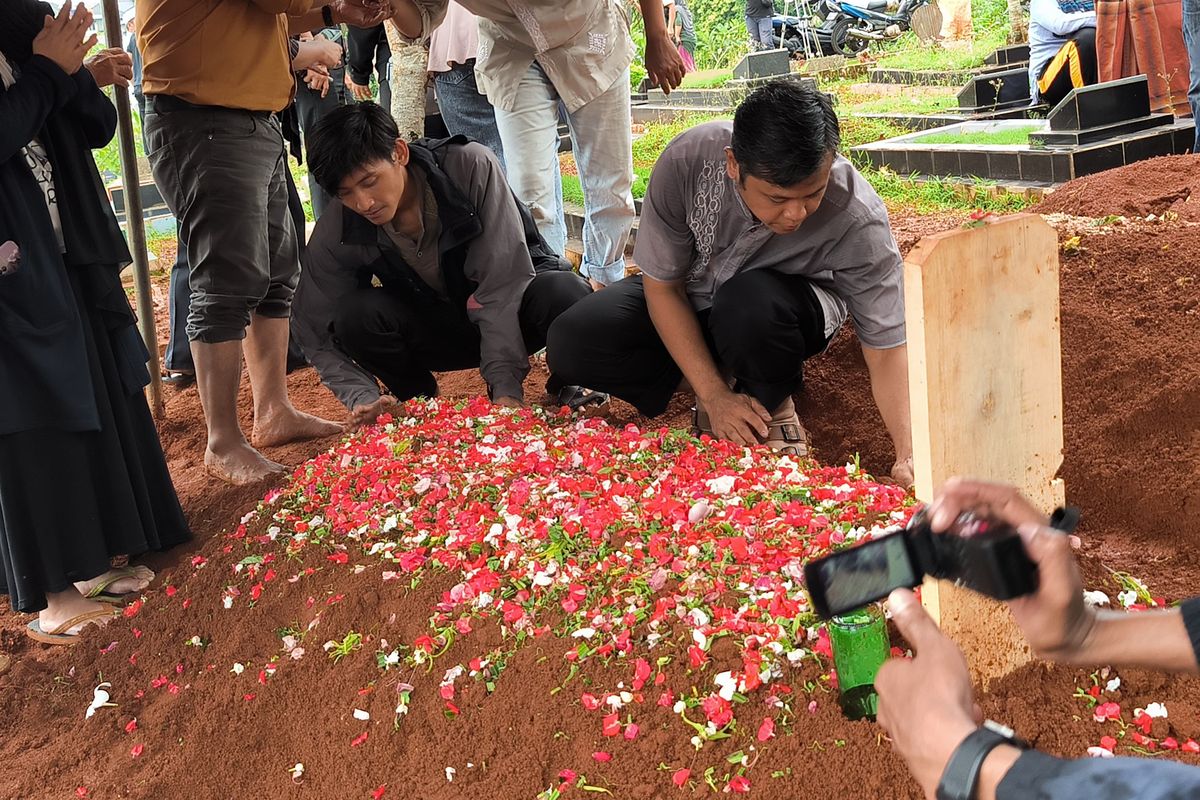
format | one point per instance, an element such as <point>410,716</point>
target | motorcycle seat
<point>880,6</point>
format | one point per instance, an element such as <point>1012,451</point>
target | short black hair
<point>784,131</point>
<point>348,138</point>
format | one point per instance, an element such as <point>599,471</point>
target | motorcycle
<point>853,26</point>
<point>801,37</point>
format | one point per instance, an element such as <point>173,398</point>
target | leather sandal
<point>785,433</point>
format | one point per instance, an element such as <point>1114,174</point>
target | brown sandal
<point>59,635</point>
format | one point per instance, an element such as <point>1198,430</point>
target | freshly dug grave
<point>1164,185</point>
<point>1129,384</point>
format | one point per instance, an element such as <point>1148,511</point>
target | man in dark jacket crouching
<point>427,262</point>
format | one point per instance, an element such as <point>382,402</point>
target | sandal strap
<point>81,619</point>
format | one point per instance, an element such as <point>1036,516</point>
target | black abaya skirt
<point>71,501</point>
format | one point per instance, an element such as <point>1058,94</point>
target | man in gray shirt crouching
<point>756,242</point>
<point>425,262</point>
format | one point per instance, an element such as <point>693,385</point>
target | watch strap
<point>961,776</point>
<point>327,15</point>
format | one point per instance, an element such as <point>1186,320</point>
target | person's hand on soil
<point>664,65</point>
<point>738,418</point>
<point>360,13</point>
<point>367,413</point>
<point>359,91</point>
<point>902,472</point>
<point>926,703</point>
<point>62,38</point>
<point>110,67</point>
<point>509,402</point>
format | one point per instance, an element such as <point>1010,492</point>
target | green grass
<point>905,104</point>
<point>935,195</point>
<point>1014,135</point>
<point>989,20</point>
<point>646,150</point>
<point>707,79</point>
<point>911,54</point>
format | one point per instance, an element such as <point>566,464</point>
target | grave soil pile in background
<point>1131,361</point>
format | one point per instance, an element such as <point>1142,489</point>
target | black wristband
<point>961,777</point>
<point>1065,519</point>
<point>327,16</point>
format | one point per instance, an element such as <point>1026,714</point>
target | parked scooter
<point>791,32</point>
<point>853,26</point>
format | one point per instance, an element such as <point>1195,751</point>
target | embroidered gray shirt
<point>695,226</point>
<point>582,45</point>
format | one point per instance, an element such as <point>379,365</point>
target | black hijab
<point>20,22</point>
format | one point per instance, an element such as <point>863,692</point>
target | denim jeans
<point>464,110</point>
<point>761,32</point>
<point>601,137</point>
<point>1191,36</point>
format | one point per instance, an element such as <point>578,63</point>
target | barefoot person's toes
<point>116,582</point>
<point>241,465</point>
<point>292,426</point>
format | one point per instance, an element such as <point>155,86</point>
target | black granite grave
<point>1012,55</point>
<point>1104,111</point>
<point>763,64</point>
<point>993,91</point>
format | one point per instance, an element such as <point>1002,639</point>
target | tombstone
<point>1011,55</point>
<point>763,64</point>
<point>995,90</point>
<point>1103,111</point>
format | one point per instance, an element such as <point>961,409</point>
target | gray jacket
<point>489,251</point>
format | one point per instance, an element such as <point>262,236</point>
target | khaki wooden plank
<point>985,384</point>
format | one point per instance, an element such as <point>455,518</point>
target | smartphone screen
<point>850,579</point>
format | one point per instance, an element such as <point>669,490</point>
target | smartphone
<point>849,579</point>
<point>10,258</point>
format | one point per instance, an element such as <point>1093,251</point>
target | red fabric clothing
<point>1145,37</point>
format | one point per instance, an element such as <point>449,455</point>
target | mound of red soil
<point>1158,186</point>
<point>1131,360</point>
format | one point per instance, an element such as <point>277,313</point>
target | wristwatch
<point>961,778</point>
<point>327,16</point>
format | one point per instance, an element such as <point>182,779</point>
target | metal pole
<point>135,226</point>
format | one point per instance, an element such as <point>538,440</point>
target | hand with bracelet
<point>927,704</point>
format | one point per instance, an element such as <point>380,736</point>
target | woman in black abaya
<point>82,473</point>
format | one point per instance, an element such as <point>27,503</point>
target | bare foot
<point>290,425</point>
<point>240,465</point>
<point>128,580</point>
<point>69,606</point>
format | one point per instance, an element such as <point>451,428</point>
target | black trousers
<point>402,342</point>
<point>1073,67</point>
<point>761,327</point>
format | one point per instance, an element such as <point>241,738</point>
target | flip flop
<point>100,591</point>
<point>59,635</point>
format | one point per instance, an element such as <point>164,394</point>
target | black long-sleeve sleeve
<point>41,89</point>
<point>1037,776</point>
<point>92,111</point>
<point>361,44</point>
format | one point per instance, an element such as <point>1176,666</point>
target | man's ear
<point>731,166</point>
<point>400,152</point>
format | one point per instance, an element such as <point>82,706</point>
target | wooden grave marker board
<point>985,385</point>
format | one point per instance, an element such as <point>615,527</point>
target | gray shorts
<point>221,171</point>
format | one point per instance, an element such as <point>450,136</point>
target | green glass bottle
<point>860,646</point>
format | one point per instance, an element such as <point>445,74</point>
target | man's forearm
<point>679,329</point>
<point>889,385</point>
<point>653,17</point>
<point>1151,639</point>
<point>407,19</point>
